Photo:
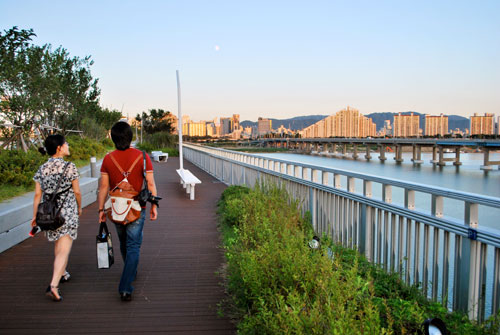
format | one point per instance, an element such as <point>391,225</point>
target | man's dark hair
<point>121,134</point>
<point>51,143</point>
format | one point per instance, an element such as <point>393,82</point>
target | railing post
<point>365,245</point>
<point>437,211</point>
<point>386,197</point>
<point>495,305</point>
<point>467,288</point>
<point>410,204</point>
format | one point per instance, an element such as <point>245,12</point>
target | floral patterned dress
<point>48,175</point>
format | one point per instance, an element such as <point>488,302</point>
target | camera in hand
<point>145,195</point>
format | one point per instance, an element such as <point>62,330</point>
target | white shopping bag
<point>105,256</point>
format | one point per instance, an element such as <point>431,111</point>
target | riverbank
<point>281,281</point>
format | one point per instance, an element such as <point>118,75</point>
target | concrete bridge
<point>338,147</point>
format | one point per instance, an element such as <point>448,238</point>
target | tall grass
<point>278,285</point>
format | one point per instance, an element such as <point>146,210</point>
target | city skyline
<point>279,59</point>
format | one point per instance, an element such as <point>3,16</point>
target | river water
<point>468,178</point>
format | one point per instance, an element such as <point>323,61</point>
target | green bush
<point>17,168</point>
<point>278,285</point>
<point>108,143</point>
<point>159,140</point>
<point>166,146</point>
<point>81,149</point>
<point>92,129</point>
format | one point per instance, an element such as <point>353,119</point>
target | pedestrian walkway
<point>177,290</point>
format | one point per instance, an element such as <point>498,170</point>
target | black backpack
<point>48,216</point>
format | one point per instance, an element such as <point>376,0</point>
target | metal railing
<point>454,261</point>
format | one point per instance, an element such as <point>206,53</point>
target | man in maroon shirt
<point>130,235</point>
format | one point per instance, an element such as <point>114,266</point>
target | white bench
<point>188,181</point>
<point>159,156</point>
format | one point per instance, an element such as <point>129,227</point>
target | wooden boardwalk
<point>177,289</point>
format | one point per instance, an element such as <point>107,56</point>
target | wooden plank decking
<point>176,291</point>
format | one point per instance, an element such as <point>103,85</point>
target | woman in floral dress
<point>46,179</point>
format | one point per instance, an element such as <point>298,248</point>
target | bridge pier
<point>344,149</point>
<point>417,155</point>
<point>355,153</point>
<point>315,150</point>
<point>487,164</point>
<point>434,155</point>
<point>398,156</point>
<point>381,150</point>
<point>368,156</point>
<point>334,149</point>
<point>442,160</point>
<point>457,161</point>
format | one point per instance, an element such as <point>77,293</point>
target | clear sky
<point>279,59</point>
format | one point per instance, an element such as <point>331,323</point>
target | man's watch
<point>101,210</point>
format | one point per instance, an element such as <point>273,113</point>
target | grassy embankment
<point>277,284</point>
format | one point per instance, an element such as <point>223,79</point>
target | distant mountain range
<point>301,122</point>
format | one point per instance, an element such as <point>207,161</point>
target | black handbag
<point>105,256</point>
<point>48,215</point>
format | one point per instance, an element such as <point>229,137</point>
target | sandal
<point>65,277</point>
<point>50,292</point>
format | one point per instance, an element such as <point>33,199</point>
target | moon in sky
<point>217,48</point>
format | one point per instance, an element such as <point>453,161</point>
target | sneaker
<point>125,296</point>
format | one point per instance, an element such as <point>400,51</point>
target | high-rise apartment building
<point>436,125</point>
<point>226,125</point>
<point>482,125</point>
<point>236,122</point>
<point>406,125</point>
<point>211,129</point>
<point>348,122</point>
<point>264,126</point>
<point>195,128</point>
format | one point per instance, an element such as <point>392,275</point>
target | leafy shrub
<point>160,140</point>
<point>17,168</point>
<point>107,143</point>
<point>149,147</point>
<point>231,205</point>
<point>84,148</point>
<point>278,285</point>
<point>92,129</point>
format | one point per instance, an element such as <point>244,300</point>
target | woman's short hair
<point>51,143</point>
<point>121,134</point>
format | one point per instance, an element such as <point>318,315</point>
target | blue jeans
<point>130,237</point>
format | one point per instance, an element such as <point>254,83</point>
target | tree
<point>15,105</point>
<point>41,88</point>
<point>156,121</point>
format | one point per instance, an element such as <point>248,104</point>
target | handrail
<point>440,191</point>
<point>426,247</point>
